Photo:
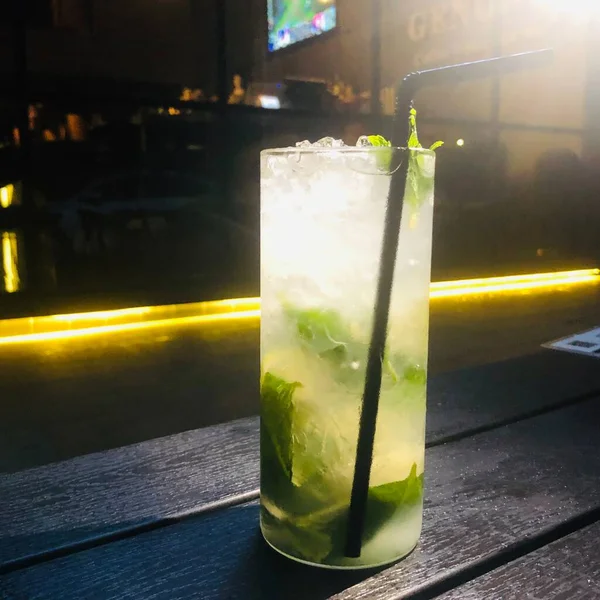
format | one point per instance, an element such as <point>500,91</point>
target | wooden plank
<point>568,569</point>
<point>485,494</point>
<point>79,500</point>
<point>461,402</point>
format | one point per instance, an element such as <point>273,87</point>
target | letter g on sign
<point>417,27</point>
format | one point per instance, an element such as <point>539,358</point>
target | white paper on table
<point>587,342</point>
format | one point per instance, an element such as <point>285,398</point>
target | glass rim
<point>342,150</point>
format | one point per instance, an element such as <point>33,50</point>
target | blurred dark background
<point>130,135</point>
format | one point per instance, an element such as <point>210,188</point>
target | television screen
<point>292,21</point>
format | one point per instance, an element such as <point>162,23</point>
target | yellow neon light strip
<point>103,329</point>
<point>530,278</point>
<point>61,327</point>
<point>511,286</point>
<point>215,306</point>
<point>101,314</point>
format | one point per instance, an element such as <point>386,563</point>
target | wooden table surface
<point>511,510</point>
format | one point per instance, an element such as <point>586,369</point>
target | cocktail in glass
<point>322,222</point>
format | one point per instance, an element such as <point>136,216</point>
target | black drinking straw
<point>370,402</point>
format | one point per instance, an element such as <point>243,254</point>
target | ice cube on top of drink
<point>322,216</point>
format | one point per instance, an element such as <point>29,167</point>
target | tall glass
<point>322,223</point>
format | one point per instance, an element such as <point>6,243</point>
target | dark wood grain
<point>568,569</point>
<point>98,494</point>
<point>485,494</point>
<point>128,488</point>
<point>467,399</point>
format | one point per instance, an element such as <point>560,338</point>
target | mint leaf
<point>378,141</point>
<point>321,330</point>
<point>413,138</point>
<point>384,503</point>
<point>399,494</point>
<point>307,543</point>
<point>322,533</point>
<point>415,194</point>
<point>415,374</point>
<point>323,333</point>
<point>388,369</point>
<point>277,410</point>
<point>305,537</point>
<point>383,157</point>
<point>419,185</point>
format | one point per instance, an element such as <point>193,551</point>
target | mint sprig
<point>420,183</point>
<point>413,138</point>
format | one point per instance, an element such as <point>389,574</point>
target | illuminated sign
<point>451,16</point>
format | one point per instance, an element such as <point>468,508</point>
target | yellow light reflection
<point>205,308</point>
<point>10,262</point>
<point>533,280</point>
<point>6,195</point>
<point>103,315</point>
<point>512,286</point>
<point>123,327</point>
<point>78,325</point>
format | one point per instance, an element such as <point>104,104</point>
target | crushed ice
<point>329,142</point>
<point>307,162</point>
<point>326,142</point>
<point>363,142</point>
